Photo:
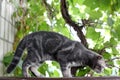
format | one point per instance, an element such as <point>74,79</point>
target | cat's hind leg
<point>35,71</point>
<point>25,69</point>
<point>29,65</point>
<point>33,61</point>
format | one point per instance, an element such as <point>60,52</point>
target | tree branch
<point>67,18</point>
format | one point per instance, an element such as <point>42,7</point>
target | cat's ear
<point>99,57</point>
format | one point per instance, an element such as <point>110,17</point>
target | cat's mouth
<point>99,69</point>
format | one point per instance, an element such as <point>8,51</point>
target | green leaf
<point>117,30</point>
<point>43,68</point>
<point>18,72</point>
<point>107,56</point>
<point>92,34</point>
<point>19,11</point>
<point>82,71</point>
<point>118,62</point>
<point>54,63</point>
<point>54,74</point>
<point>99,46</point>
<point>114,51</point>
<point>94,14</point>
<point>113,41</point>
<point>20,34</point>
<point>7,58</point>
<point>43,26</point>
<point>108,71</point>
<point>91,3</point>
<point>104,4</point>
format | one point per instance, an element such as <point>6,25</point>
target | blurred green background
<point>102,33</point>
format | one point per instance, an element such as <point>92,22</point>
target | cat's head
<point>98,63</point>
<point>95,61</point>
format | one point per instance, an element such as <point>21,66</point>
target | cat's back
<point>45,35</point>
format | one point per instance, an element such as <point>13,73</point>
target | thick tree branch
<point>67,18</point>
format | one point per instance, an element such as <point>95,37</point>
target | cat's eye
<point>99,57</point>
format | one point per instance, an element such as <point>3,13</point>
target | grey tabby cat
<point>43,45</point>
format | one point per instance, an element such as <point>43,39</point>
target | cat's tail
<point>18,53</point>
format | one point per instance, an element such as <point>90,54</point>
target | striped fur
<point>17,56</point>
<point>43,45</point>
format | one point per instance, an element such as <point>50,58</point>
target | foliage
<point>104,33</point>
